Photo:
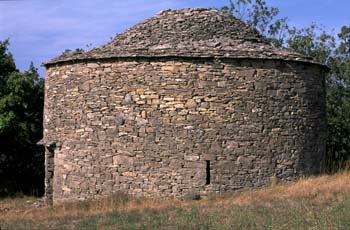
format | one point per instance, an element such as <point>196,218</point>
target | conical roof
<point>187,33</point>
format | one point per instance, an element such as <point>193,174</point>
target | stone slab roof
<point>187,33</point>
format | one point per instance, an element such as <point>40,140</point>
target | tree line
<point>21,114</point>
<point>22,96</point>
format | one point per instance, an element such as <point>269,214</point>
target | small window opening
<point>207,179</point>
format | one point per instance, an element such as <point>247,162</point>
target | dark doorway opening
<point>207,179</point>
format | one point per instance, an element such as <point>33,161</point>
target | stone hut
<point>187,102</point>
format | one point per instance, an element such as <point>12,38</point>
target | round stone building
<point>187,102</point>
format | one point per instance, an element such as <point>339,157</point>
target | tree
<point>338,102</point>
<point>313,41</point>
<point>7,65</point>
<point>21,105</point>
<point>260,16</point>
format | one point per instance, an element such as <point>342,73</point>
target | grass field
<point>313,203</point>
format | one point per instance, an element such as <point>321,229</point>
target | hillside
<point>314,203</point>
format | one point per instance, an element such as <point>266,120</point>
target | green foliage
<point>313,41</point>
<point>255,13</point>
<point>66,52</point>
<point>7,65</point>
<point>79,50</point>
<point>338,102</point>
<point>21,106</point>
<point>69,52</point>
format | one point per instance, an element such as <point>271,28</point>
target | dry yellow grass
<point>320,191</point>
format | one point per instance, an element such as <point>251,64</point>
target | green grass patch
<point>278,216</point>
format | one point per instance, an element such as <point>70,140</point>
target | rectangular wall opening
<point>207,179</point>
<point>49,174</point>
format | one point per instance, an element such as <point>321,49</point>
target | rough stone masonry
<point>188,102</point>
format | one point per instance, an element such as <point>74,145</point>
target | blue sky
<point>42,29</point>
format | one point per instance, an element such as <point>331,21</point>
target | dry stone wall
<point>171,127</point>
